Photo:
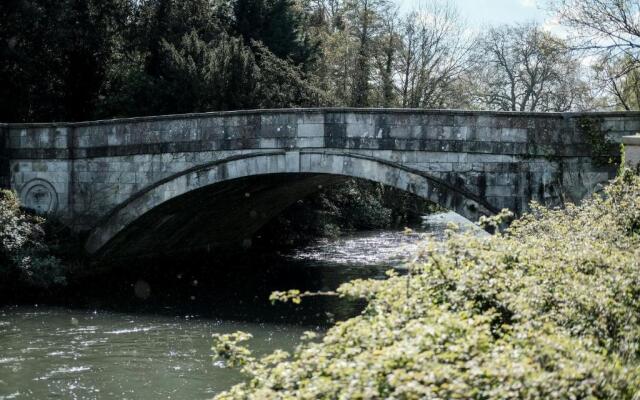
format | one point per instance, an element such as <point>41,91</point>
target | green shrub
<point>24,256</point>
<point>547,309</point>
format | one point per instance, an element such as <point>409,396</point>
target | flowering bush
<point>550,308</point>
<point>24,256</point>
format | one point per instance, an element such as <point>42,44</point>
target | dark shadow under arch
<point>227,200</point>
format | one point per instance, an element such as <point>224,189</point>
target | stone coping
<point>326,110</point>
<point>632,140</point>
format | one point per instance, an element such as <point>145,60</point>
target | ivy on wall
<point>604,152</point>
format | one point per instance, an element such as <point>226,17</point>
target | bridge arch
<point>310,163</point>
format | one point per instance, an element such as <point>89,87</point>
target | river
<point>149,336</point>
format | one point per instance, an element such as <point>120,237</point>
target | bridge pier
<point>5,160</point>
<point>632,151</point>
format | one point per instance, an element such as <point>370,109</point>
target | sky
<point>479,13</point>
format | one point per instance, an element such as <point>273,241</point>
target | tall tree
<point>524,68</point>
<point>54,56</point>
<point>226,74</point>
<point>434,53</point>
<point>387,45</point>
<point>606,26</point>
<point>278,24</point>
<point>364,23</point>
<point>610,31</point>
<point>618,79</point>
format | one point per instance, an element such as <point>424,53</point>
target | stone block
<point>268,143</point>
<point>310,118</point>
<point>439,167</point>
<point>313,142</point>
<point>359,119</point>
<point>440,120</point>
<point>292,160</point>
<point>613,124</point>
<point>632,125</point>
<point>519,135</point>
<point>60,188</point>
<point>400,131</point>
<point>359,130</point>
<point>335,117</point>
<point>488,134</point>
<point>60,142</point>
<point>14,139</point>
<point>127,177</point>
<point>431,132</point>
<point>486,121</point>
<point>469,121</point>
<point>310,130</point>
<point>500,191</point>
<point>460,132</point>
<point>462,167</point>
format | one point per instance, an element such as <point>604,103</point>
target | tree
<point>619,80</point>
<point>523,68</point>
<point>282,84</point>
<point>387,46</point>
<point>161,22</point>
<point>24,255</point>
<point>611,27</point>
<point>200,76</point>
<point>188,56</point>
<point>335,68</point>
<point>363,23</point>
<point>222,74</point>
<point>609,30</point>
<point>54,56</point>
<point>434,53</point>
<point>278,24</point>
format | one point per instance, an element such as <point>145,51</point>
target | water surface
<point>109,342</point>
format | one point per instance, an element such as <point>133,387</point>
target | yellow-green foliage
<point>24,254</point>
<point>548,309</point>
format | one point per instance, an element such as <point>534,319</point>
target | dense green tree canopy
<point>76,59</point>
<point>54,56</point>
<point>87,59</point>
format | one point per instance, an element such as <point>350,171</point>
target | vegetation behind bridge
<point>86,59</point>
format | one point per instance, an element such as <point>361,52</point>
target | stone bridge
<point>156,184</point>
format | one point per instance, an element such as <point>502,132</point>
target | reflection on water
<point>144,332</point>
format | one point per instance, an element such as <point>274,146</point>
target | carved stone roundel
<point>40,196</point>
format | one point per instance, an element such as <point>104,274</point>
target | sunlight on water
<point>391,248</point>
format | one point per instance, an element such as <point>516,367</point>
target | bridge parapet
<point>426,130</point>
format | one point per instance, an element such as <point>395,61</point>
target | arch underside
<point>225,202</point>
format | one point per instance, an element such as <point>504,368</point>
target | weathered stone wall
<point>632,151</point>
<point>85,172</point>
<point>5,170</point>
